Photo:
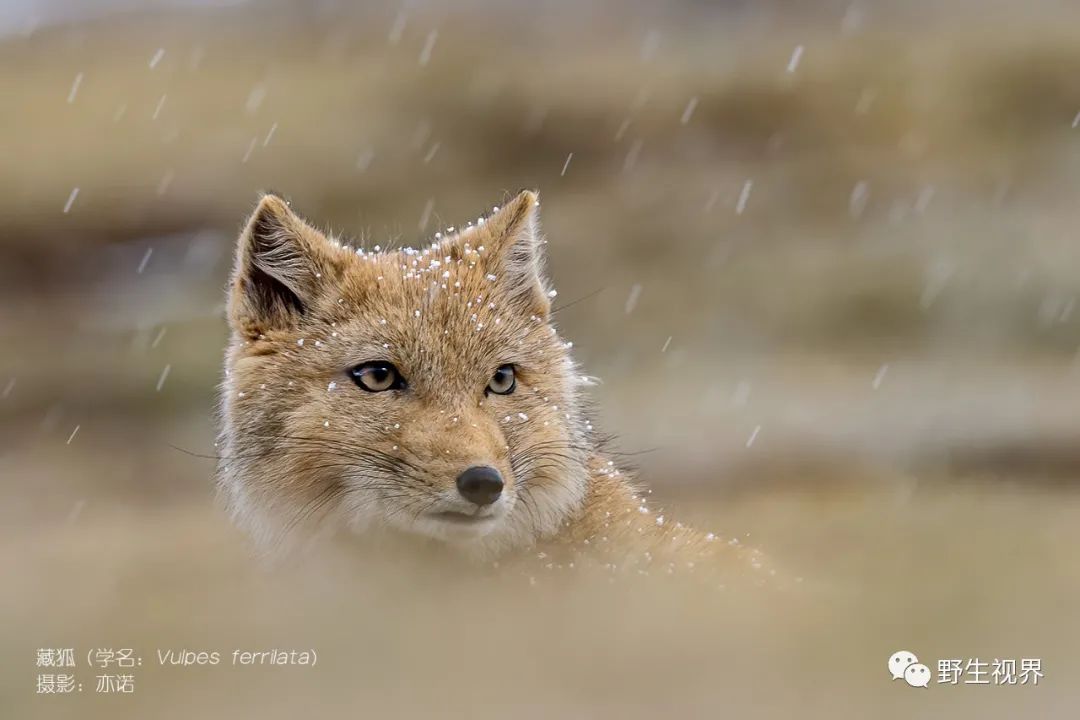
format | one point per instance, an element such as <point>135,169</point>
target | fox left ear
<point>282,267</point>
<point>514,253</point>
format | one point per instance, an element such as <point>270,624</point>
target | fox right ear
<point>282,264</point>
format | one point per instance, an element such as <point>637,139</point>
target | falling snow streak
<point>71,200</point>
<point>165,182</point>
<point>744,196</point>
<point>796,57</point>
<point>860,195</point>
<point>688,111</point>
<point>425,216</point>
<point>255,99</point>
<point>632,298</point>
<point>880,376</point>
<point>429,46</point>
<point>566,164</point>
<point>164,375</point>
<point>144,261</point>
<point>396,30</point>
<point>74,88</point>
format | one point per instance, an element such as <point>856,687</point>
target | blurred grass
<point>889,313</point>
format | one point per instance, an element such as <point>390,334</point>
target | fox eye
<point>503,381</point>
<point>377,376</point>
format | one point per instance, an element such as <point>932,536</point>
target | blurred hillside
<point>823,257</point>
<point>855,185</point>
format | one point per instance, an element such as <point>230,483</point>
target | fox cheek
<point>282,267</point>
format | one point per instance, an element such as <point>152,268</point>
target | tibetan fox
<point>421,393</point>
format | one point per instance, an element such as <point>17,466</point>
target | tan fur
<point>306,452</point>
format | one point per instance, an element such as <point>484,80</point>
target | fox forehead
<point>415,302</point>
<point>447,315</point>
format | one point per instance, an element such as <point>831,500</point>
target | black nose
<point>481,484</point>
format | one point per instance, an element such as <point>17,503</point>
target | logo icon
<point>903,665</point>
<point>899,661</point>
<point>917,675</point>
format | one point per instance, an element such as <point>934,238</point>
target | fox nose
<point>480,484</point>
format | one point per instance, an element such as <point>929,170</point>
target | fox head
<point>421,391</point>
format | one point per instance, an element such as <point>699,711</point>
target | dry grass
<point>962,572</point>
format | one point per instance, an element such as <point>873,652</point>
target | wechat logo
<point>903,665</point>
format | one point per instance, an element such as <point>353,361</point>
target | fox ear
<point>514,253</point>
<point>282,264</point>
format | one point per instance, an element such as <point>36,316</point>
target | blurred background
<point>823,257</point>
